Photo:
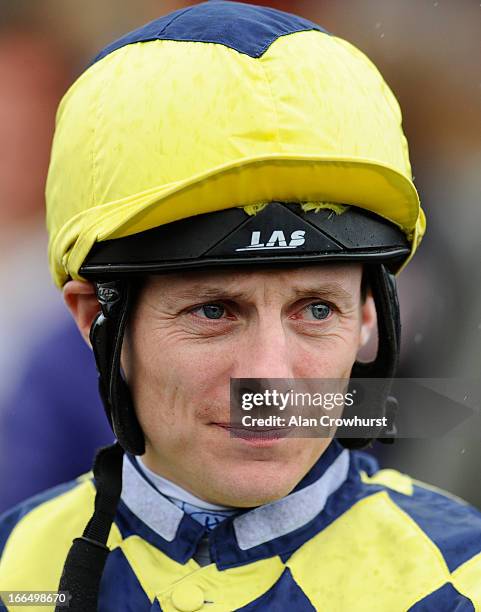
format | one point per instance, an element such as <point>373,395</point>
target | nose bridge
<point>267,354</point>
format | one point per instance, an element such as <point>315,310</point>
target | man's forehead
<point>238,279</point>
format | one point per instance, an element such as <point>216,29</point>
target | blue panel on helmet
<point>245,28</point>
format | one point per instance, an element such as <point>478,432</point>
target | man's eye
<point>319,310</point>
<point>210,311</point>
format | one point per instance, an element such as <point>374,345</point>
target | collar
<point>276,528</point>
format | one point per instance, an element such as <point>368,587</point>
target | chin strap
<point>86,559</point>
<point>88,554</point>
<point>106,335</point>
<point>377,401</point>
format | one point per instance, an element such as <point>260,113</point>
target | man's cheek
<point>158,405</point>
<point>325,362</point>
<point>334,357</point>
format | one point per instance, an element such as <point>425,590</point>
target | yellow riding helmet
<point>216,106</point>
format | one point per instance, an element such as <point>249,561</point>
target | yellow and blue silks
<point>349,538</point>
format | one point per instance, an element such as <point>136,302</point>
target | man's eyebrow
<point>208,292</point>
<point>330,290</point>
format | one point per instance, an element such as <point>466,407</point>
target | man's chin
<point>249,484</point>
<point>245,474</point>
<point>250,498</point>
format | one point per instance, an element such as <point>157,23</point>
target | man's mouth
<point>255,433</point>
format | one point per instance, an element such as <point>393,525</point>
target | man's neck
<point>174,491</point>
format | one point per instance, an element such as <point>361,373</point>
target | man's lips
<point>261,433</point>
<point>257,428</point>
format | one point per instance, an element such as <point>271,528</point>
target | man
<point>229,196</point>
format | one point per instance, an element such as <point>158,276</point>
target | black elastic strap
<point>383,288</point>
<point>83,568</point>
<point>379,403</point>
<point>106,336</point>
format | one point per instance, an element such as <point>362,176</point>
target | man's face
<point>191,333</point>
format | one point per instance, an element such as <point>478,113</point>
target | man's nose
<point>266,354</point>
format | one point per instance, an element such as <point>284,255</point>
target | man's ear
<point>368,320</point>
<point>80,298</point>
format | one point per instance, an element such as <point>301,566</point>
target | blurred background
<point>51,420</point>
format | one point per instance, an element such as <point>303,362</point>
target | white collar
<point>254,527</point>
